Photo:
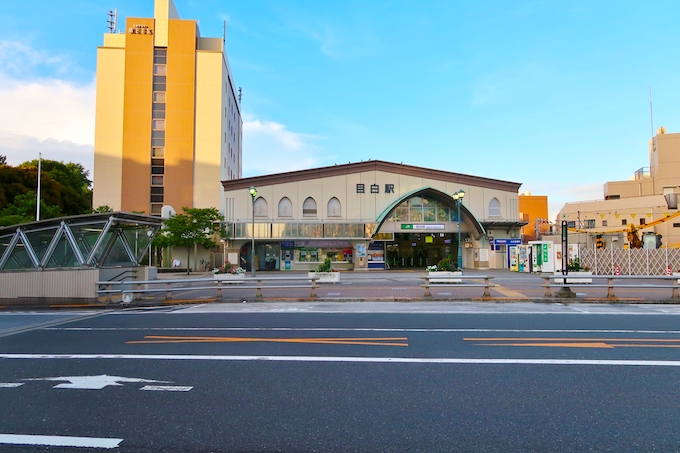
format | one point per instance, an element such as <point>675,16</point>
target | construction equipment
<point>632,231</point>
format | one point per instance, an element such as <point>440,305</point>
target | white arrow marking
<point>91,382</point>
<point>59,441</point>
<point>7,385</point>
<point>167,388</point>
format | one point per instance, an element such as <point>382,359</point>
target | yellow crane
<point>631,231</point>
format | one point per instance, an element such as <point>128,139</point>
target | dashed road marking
<point>7,385</point>
<point>167,388</point>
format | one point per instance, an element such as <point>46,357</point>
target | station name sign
<point>425,226</point>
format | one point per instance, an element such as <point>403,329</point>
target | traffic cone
<point>617,270</point>
<point>668,270</point>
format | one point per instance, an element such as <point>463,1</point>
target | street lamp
<point>253,194</point>
<point>458,198</point>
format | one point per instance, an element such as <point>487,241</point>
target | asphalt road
<point>345,377</point>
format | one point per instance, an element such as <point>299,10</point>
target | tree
<point>75,194</point>
<point>193,226</point>
<point>23,210</point>
<point>100,209</point>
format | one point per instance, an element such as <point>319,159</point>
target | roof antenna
<point>651,111</point>
<point>224,32</point>
<point>112,23</point>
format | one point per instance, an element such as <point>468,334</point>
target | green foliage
<point>23,210</point>
<point>325,266</point>
<point>193,226</point>
<point>575,266</point>
<point>64,187</point>
<point>447,264</point>
<point>100,210</point>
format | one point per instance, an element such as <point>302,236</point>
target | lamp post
<point>253,194</point>
<point>458,197</point>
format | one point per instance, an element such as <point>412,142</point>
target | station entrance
<point>418,250</point>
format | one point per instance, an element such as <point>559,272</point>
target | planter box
<point>325,277</point>
<point>445,276</point>
<point>575,277</point>
<point>230,278</point>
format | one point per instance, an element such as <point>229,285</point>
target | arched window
<point>334,208</point>
<point>494,208</point>
<point>261,208</point>
<point>285,207</point>
<point>309,207</point>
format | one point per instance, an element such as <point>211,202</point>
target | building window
<point>285,207</point>
<point>494,208</point>
<point>676,225</point>
<point>159,69</point>
<point>571,224</point>
<point>157,180</point>
<point>309,207</point>
<point>261,208</point>
<point>334,208</point>
<point>158,153</point>
<point>157,170</point>
<point>643,221</point>
<point>624,222</point>
<point>159,97</point>
<point>590,223</point>
<point>159,125</point>
<point>604,223</point>
<point>156,208</point>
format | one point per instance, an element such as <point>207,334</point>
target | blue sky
<point>552,94</point>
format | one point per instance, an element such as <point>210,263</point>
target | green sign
<point>406,226</point>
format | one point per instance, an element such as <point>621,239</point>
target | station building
<point>168,125</point>
<point>370,215</point>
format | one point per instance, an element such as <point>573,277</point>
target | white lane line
<point>59,441</point>
<point>442,360</point>
<point>167,388</point>
<point>355,329</point>
<point>9,385</point>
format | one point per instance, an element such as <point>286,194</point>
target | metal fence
<point>631,261</point>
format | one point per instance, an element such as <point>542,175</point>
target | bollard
<point>547,287</point>
<point>258,291</point>
<point>168,292</point>
<point>427,287</point>
<point>219,290</point>
<point>610,288</point>
<point>486,287</point>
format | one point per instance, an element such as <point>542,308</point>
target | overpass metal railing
<point>486,285</point>
<point>189,284</point>
<point>613,281</point>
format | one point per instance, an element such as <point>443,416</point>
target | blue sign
<point>509,241</point>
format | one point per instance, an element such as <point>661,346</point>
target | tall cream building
<point>647,202</point>
<point>168,124</point>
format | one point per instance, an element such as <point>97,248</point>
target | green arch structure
<point>465,212</point>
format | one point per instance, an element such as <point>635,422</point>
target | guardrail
<point>486,285</point>
<point>610,285</point>
<point>204,284</point>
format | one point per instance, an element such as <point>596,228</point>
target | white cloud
<point>19,148</point>
<point>43,114</point>
<point>268,147</point>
